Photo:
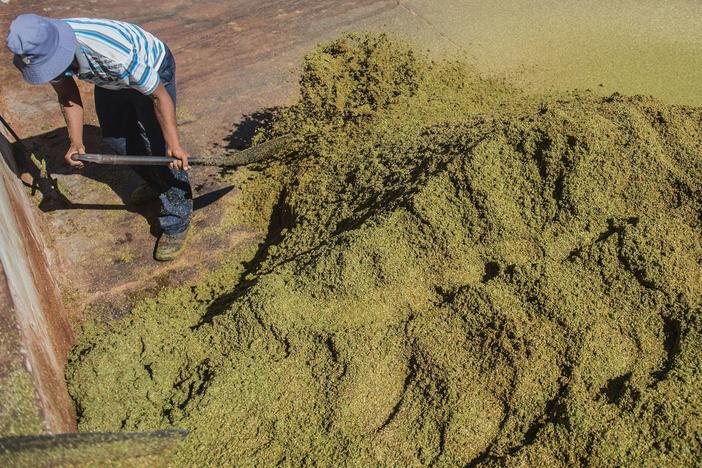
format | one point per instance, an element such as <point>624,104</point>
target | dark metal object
<point>251,155</point>
<point>115,159</point>
<point>89,448</point>
<point>9,129</point>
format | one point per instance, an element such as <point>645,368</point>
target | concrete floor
<point>237,58</point>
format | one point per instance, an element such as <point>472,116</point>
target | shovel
<point>251,155</point>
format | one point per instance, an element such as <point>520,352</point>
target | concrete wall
<point>35,334</point>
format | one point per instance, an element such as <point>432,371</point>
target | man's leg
<point>119,124</point>
<point>173,185</point>
<point>117,119</point>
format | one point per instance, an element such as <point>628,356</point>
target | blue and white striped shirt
<point>117,55</point>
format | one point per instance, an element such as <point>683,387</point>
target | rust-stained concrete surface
<point>234,59</point>
<point>237,58</point>
<point>35,333</point>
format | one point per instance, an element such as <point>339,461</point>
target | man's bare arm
<point>166,115</point>
<point>72,109</point>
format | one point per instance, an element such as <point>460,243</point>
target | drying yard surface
<point>251,46</point>
<point>455,271</point>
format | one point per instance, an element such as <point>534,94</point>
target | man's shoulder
<point>107,24</point>
<point>93,21</point>
<point>111,32</point>
<point>89,23</point>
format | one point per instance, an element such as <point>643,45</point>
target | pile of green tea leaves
<point>454,272</point>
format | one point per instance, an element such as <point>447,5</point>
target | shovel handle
<point>253,154</point>
<point>119,160</point>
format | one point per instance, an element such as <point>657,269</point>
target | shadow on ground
<point>248,126</point>
<point>107,244</point>
<point>280,219</point>
<point>41,158</point>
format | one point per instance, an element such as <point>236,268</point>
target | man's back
<point>117,55</point>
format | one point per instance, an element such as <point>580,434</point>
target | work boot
<point>169,246</point>
<point>142,195</point>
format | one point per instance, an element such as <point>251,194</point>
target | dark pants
<point>128,122</point>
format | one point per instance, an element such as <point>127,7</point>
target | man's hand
<point>75,148</point>
<point>165,113</point>
<point>181,158</point>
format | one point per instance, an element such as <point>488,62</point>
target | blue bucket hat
<point>43,47</point>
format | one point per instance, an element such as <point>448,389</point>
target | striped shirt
<point>117,55</point>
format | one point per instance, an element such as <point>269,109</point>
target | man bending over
<point>135,95</point>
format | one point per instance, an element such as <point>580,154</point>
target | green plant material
<point>19,411</point>
<point>40,164</point>
<point>41,175</point>
<point>261,192</point>
<point>124,256</point>
<point>184,115</point>
<point>454,273</point>
<point>141,449</point>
